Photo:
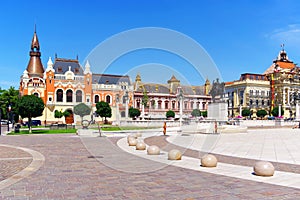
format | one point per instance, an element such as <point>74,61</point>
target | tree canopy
<point>30,106</point>
<point>9,97</point>
<point>145,98</point>
<point>246,112</point>
<point>134,112</point>
<point>104,110</point>
<point>261,113</point>
<point>196,113</point>
<point>82,110</point>
<point>275,111</point>
<point>170,113</point>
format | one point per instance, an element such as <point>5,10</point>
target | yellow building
<point>278,86</point>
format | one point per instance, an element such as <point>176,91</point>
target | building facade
<point>278,86</point>
<point>65,83</point>
<point>164,97</point>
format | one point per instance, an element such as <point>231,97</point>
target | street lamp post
<point>126,106</point>
<point>180,97</point>
<point>8,116</point>
<point>117,109</point>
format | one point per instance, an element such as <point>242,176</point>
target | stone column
<point>279,110</point>
<point>143,111</point>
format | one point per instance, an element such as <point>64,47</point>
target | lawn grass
<point>44,131</point>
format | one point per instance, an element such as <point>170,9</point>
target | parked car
<point>3,121</point>
<point>33,123</point>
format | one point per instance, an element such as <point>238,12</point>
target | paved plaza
<point>73,167</point>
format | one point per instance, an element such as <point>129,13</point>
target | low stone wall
<point>267,123</point>
<point>149,123</point>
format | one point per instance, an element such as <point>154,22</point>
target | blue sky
<point>239,35</point>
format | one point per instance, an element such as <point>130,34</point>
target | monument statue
<point>217,91</point>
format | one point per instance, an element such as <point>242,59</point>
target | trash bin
<point>17,128</point>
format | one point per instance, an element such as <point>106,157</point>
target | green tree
<point>134,112</point>
<point>82,110</point>
<point>9,97</point>
<point>170,113</point>
<point>196,113</point>
<point>261,113</point>
<point>30,106</point>
<point>60,114</point>
<point>104,110</point>
<point>204,113</point>
<point>275,111</point>
<point>246,112</point>
<point>145,98</point>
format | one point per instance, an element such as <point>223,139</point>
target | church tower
<point>32,81</point>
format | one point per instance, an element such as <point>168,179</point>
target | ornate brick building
<point>65,83</point>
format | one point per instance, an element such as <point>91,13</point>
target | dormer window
<point>59,69</point>
<point>76,70</point>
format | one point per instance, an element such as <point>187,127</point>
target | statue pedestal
<point>217,111</point>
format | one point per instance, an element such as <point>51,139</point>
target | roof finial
<point>282,46</point>
<point>35,27</point>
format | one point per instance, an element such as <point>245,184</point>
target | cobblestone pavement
<point>71,172</point>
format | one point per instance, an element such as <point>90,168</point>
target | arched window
<point>78,96</point>
<point>159,104</point>
<point>107,98</point>
<point>166,104</point>
<point>123,114</point>
<point>69,96</point>
<point>251,102</point>
<point>138,103</point>
<point>59,95</point>
<point>36,94</point>
<point>96,99</point>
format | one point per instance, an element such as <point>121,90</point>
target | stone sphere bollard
<point>140,146</point>
<point>263,168</point>
<point>153,150</point>
<point>137,135</point>
<point>132,142</point>
<point>174,154</point>
<point>209,160</point>
<point>130,137</point>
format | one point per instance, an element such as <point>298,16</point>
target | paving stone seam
<point>38,160</point>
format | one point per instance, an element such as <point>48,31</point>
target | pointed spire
<point>87,68</point>
<point>35,66</point>
<point>49,65</point>
<point>35,42</point>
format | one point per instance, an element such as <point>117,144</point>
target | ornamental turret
<point>35,67</point>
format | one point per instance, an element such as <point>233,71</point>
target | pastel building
<point>164,97</point>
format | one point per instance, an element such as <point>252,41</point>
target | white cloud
<point>289,35</point>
